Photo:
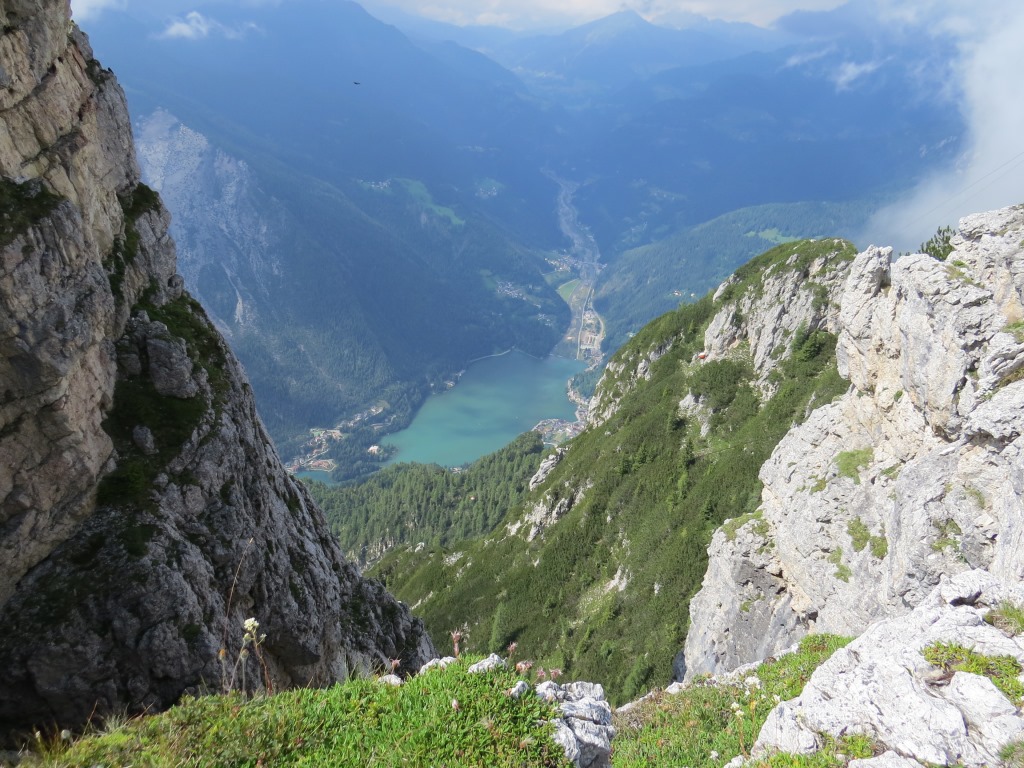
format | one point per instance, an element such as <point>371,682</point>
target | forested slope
<point>593,572</point>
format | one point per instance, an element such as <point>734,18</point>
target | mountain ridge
<point>146,514</point>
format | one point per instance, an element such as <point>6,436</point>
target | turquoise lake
<point>496,399</point>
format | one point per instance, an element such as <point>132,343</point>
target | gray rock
<point>491,663</point>
<point>170,367</point>
<point>938,490</point>
<point>440,663</point>
<point>881,686</point>
<point>393,680</point>
<point>584,727</point>
<point>549,463</point>
<point>887,759</point>
<point>520,689</point>
<point>142,436</point>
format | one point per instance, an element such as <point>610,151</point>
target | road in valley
<point>586,331</point>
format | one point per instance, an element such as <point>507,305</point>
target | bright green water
<point>496,399</point>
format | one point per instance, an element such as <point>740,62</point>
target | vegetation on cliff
<point>603,593</point>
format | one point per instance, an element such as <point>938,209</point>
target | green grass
<point>565,289</point>
<point>859,534</point>
<point>861,537</point>
<point>418,191</point>
<point>1001,670</point>
<point>843,572</point>
<point>357,723</point>
<point>731,527</point>
<point>850,463</point>
<point>1008,617</point>
<point>1012,754</point>
<point>686,728</point>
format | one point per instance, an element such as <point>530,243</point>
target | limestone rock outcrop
<point>144,513</point>
<point>881,686</point>
<point>913,475</point>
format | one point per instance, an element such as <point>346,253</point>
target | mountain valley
<point>785,531</point>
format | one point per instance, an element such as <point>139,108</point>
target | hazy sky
<point>990,173</point>
<point>521,14</point>
<point>987,85</point>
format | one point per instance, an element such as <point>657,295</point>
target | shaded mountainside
<point>339,295</point>
<point>593,572</point>
<point>144,511</point>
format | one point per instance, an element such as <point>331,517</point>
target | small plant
<point>843,572</point>
<point>879,546</point>
<point>1012,754</point>
<point>938,246</point>
<point>1007,617</point>
<point>236,673</point>
<point>859,534</point>
<point>1001,670</point>
<point>850,463</point>
<point>948,533</point>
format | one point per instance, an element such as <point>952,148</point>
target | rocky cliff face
<point>143,511</point>
<point>915,474</point>
<point>226,233</point>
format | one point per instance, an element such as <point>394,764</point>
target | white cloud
<point>195,26</point>
<point>990,172</point>
<point>83,10</point>
<point>526,14</point>
<point>849,71</point>
<point>799,59</point>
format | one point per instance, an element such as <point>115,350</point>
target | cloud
<point>83,10</point>
<point>849,71</point>
<point>526,14</point>
<point>799,59</point>
<point>195,26</point>
<point>990,172</point>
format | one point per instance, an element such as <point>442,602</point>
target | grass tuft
<point>1001,670</point>
<point>1007,617</point>
<point>851,462</point>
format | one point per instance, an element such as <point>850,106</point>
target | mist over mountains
<point>401,186</point>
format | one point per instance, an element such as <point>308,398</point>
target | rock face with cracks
<point>914,475</point>
<point>144,513</point>
<point>881,686</point>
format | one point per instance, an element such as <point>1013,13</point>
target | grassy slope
<point>357,723</point>
<point>365,723</point>
<point>604,593</point>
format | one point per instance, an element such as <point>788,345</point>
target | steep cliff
<point>915,474</point>
<point>143,511</point>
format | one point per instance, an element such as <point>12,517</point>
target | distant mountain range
<point>398,185</point>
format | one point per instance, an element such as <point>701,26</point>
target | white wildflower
<point>251,626</point>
